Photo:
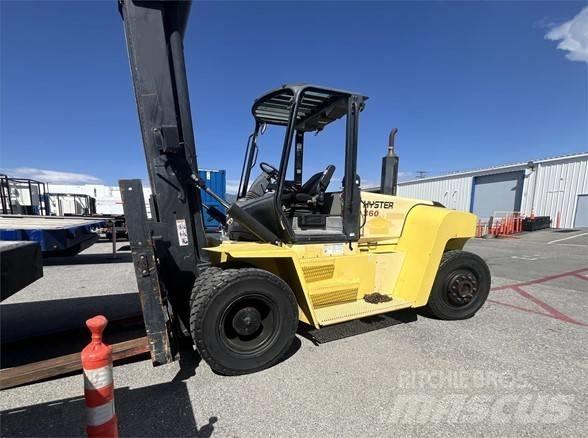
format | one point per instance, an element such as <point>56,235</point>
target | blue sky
<point>468,84</point>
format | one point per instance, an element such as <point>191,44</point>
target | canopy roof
<point>318,107</point>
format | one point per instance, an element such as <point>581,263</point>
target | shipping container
<point>217,182</point>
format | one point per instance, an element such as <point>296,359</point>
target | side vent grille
<point>318,272</point>
<point>334,297</point>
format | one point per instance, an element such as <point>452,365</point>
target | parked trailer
<point>22,196</point>
<point>16,275</point>
<point>70,204</point>
<point>55,235</point>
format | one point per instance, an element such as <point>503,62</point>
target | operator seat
<point>312,191</point>
<point>307,199</point>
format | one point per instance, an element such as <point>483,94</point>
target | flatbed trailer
<point>16,275</point>
<point>56,235</point>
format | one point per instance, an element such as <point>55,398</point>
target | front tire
<point>243,320</point>
<point>461,286</point>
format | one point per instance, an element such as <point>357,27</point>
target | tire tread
<point>448,258</point>
<point>206,289</point>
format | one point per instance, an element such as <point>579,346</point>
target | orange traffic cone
<point>98,384</point>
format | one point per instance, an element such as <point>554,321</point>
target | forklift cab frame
<point>302,108</point>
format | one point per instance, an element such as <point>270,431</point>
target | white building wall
<point>556,188</point>
<point>528,191</point>
<point>453,192</point>
<point>551,187</point>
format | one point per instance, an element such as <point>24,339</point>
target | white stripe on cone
<point>98,378</point>
<point>100,414</point>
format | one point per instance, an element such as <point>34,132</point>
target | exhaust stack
<point>389,179</point>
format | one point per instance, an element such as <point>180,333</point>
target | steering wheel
<point>269,169</point>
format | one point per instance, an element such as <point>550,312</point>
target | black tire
<point>203,277</point>
<point>461,286</point>
<point>243,320</point>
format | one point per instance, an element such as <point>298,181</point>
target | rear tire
<point>242,320</point>
<point>461,286</point>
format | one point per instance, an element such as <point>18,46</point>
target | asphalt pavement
<point>519,367</point>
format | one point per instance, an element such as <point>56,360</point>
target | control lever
<point>237,213</point>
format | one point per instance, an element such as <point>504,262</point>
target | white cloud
<point>232,186</point>
<point>369,184</point>
<point>405,175</point>
<point>573,36</point>
<point>51,176</point>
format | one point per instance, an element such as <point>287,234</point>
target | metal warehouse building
<point>551,187</point>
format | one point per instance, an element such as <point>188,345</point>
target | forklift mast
<point>167,247</point>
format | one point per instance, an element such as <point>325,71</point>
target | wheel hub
<point>247,321</point>
<point>462,287</point>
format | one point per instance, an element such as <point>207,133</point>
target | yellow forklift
<point>294,248</point>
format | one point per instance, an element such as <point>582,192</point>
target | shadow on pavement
<point>153,411</point>
<point>189,360</point>
<point>21,321</point>
<point>88,259</point>
<point>291,351</point>
<point>356,327</point>
<point>41,330</point>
